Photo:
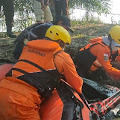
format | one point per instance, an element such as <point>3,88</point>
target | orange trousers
<point>16,106</point>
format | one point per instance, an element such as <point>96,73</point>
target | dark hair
<point>65,20</point>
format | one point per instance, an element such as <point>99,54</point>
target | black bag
<point>72,109</point>
<point>84,60</point>
<point>44,81</point>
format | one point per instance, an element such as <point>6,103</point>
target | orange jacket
<point>22,98</point>
<point>102,52</point>
<point>41,52</point>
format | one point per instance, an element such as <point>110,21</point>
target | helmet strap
<point>61,43</point>
<point>110,39</point>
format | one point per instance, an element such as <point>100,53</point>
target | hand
<point>43,7</point>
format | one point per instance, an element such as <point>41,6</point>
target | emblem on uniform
<point>106,57</point>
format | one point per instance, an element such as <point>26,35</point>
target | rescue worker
<point>37,31</point>
<point>99,53</point>
<point>36,74</point>
<point>8,9</point>
<point>42,10</point>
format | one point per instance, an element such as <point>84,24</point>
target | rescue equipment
<point>44,81</point>
<point>56,106</point>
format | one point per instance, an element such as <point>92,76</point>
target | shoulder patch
<point>106,57</point>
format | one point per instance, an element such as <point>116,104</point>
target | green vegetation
<point>99,6</point>
<point>25,17</point>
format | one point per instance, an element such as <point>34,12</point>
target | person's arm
<point>66,66</point>
<point>42,4</point>
<point>47,2</point>
<point>103,58</point>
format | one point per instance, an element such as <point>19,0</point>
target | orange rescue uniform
<point>102,53</point>
<point>18,99</point>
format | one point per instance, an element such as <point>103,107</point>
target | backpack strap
<point>37,66</point>
<point>102,44</point>
<point>44,80</point>
<point>54,58</point>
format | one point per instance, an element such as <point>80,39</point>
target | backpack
<point>84,60</point>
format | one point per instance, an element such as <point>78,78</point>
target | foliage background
<point>24,14</point>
